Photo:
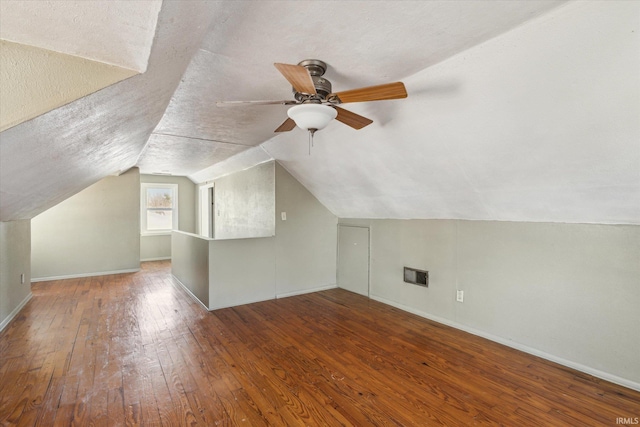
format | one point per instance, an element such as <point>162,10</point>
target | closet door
<point>353,259</point>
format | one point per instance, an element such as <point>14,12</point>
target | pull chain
<point>311,133</point>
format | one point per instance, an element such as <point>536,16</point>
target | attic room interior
<point>458,245</point>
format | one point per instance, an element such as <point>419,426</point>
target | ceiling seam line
<point>202,139</point>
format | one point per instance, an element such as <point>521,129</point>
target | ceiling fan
<point>315,105</point>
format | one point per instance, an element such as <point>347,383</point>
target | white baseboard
<point>182,285</point>
<point>76,276</point>
<point>278,296</point>
<point>568,363</point>
<point>306,291</point>
<point>15,312</point>
<point>162,258</point>
<point>235,304</point>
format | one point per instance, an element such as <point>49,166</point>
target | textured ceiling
<point>116,32</point>
<point>517,110</point>
<point>58,154</point>
<point>539,124</point>
<point>34,81</point>
<point>364,43</point>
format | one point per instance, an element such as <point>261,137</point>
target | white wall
<point>190,265</point>
<point>300,258</point>
<point>245,203</point>
<point>568,292</point>
<point>155,247</point>
<point>241,271</point>
<point>15,248</point>
<point>159,246</point>
<point>95,231</point>
<point>306,243</point>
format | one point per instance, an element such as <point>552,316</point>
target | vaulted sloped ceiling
<point>48,159</point>
<point>539,124</point>
<point>517,110</point>
<point>118,32</point>
<point>364,43</point>
<point>34,81</point>
<point>53,53</point>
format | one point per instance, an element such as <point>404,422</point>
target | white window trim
<point>143,208</point>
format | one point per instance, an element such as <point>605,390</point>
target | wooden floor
<point>133,349</point>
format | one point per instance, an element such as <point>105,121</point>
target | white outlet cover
<point>283,215</point>
<point>460,296</point>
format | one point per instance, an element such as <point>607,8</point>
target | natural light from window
<point>159,208</point>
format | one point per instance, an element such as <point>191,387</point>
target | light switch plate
<point>283,215</point>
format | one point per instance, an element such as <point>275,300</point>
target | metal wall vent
<point>416,277</point>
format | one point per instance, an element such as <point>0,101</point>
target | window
<point>158,208</point>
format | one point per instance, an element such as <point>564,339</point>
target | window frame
<point>144,187</point>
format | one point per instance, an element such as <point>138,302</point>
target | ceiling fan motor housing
<point>323,89</point>
<point>316,69</point>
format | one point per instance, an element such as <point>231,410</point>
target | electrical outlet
<point>22,278</point>
<point>460,296</point>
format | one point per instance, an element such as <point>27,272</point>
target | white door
<point>353,259</point>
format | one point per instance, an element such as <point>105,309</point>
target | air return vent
<point>417,277</point>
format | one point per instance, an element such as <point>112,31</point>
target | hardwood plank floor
<point>133,349</point>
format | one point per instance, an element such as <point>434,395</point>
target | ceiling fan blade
<point>235,103</point>
<point>371,93</point>
<point>298,76</point>
<point>288,125</point>
<point>349,118</point>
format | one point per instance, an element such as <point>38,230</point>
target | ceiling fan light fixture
<point>312,116</point>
